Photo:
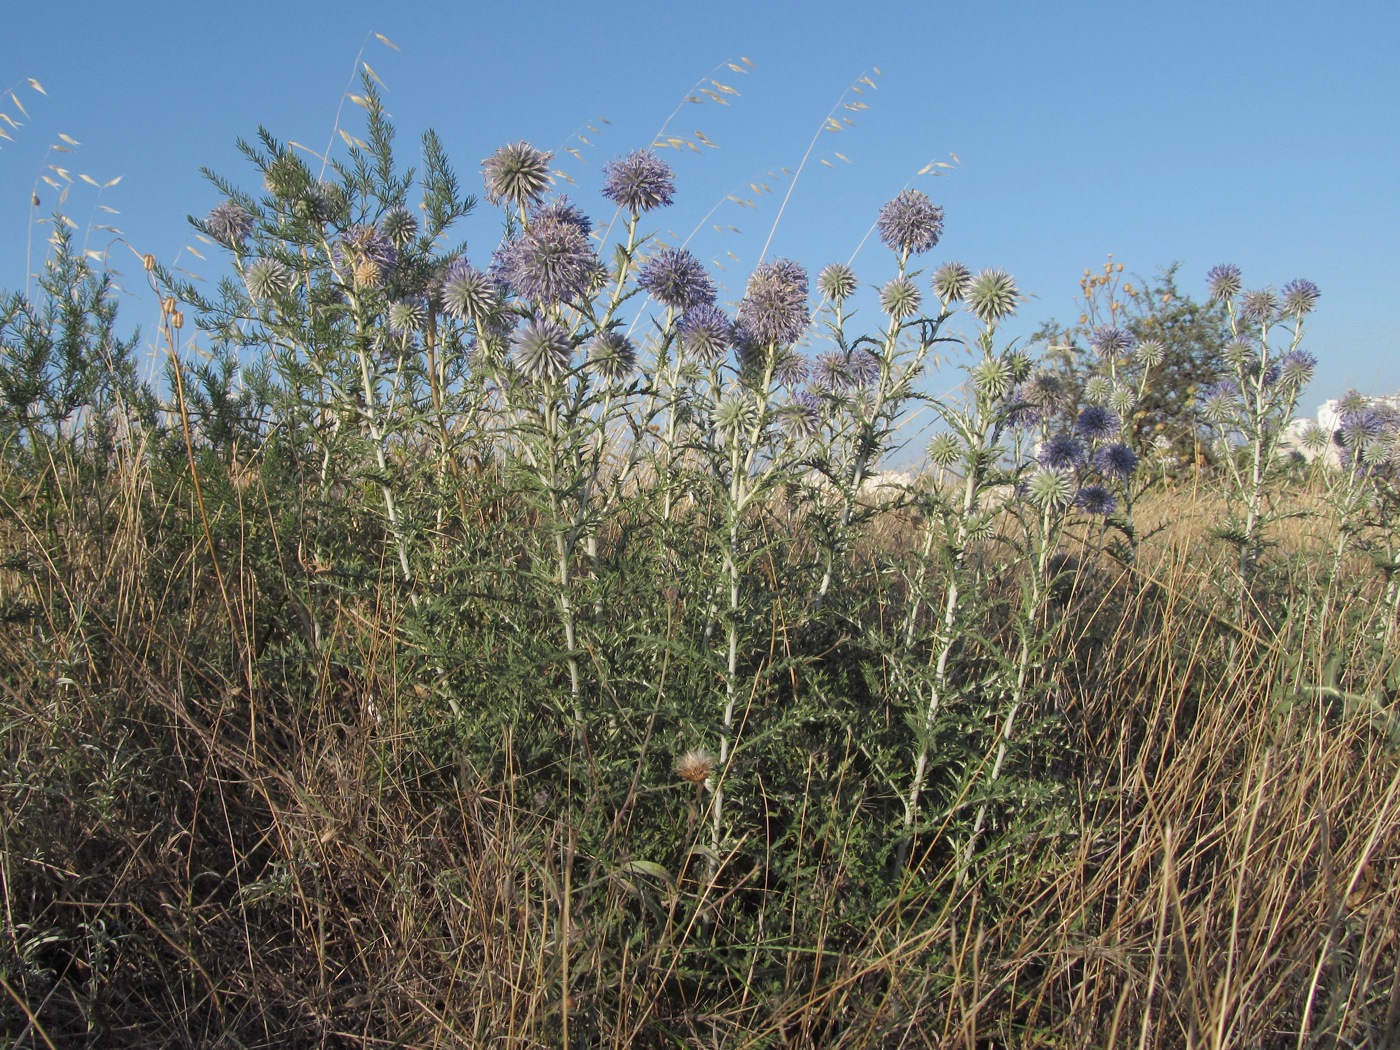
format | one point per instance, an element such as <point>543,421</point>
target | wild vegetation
<point>538,651</point>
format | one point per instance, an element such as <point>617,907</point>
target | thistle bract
<point>516,174</point>
<point>639,182</point>
<point>677,279</point>
<point>543,351</point>
<point>229,224</point>
<point>911,223</point>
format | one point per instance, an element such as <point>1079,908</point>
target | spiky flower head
<point>1116,461</point>
<point>516,174</point>
<point>735,414</point>
<point>774,308</point>
<point>544,351</point>
<point>1240,353</point>
<point>1314,438</point>
<point>992,296</point>
<point>366,254</point>
<point>837,282</point>
<point>639,182</point>
<point>900,298</point>
<point>862,366</point>
<point>1095,499</point>
<point>561,209</point>
<point>1044,390</point>
<point>802,416</point>
<point>611,356</point>
<point>790,368</point>
<point>1062,451</point>
<point>992,377</point>
<point>1296,368</point>
<point>1259,306</point>
<point>1225,281</point>
<point>1300,297</point>
<point>229,224</point>
<point>1098,389</point>
<point>1219,401</point>
<point>267,279</point>
<point>911,223</point>
<point>407,316</point>
<point>832,372</point>
<point>695,766</point>
<point>1097,423</point>
<point>1110,340</point>
<point>1150,353</point>
<point>952,282</point>
<point>552,262</point>
<point>1050,487</point>
<point>944,450</point>
<point>676,278</point>
<point>400,226</point>
<point>467,293</point>
<point>706,333</point>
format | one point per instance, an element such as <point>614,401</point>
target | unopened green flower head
<point>544,351</point>
<point>400,226</point>
<point>611,356</point>
<point>992,378</point>
<point>837,282</point>
<point>1150,353</point>
<point>900,298</point>
<point>952,282</point>
<point>467,293</point>
<point>944,450</point>
<point>1050,487</point>
<point>267,279</point>
<point>516,174</point>
<point>734,415</point>
<point>992,296</point>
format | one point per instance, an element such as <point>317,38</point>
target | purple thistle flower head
<point>544,351</point>
<point>1224,281</point>
<point>837,282</point>
<point>1260,306</point>
<point>1062,451</point>
<point>561,209</point>
<point>791,368</point>
<point>229,224</point>
<point>367,254</point>
<point>1096,423</point>
<point>1095,499</point>
<point>862,367</point>
<point>639,182</point>
<point>676,278</point>
<point>832,372</point>
<point>802,416</point>
<point>1300,297</point>
<point>1022,411</point>
<point>551,262</point>
<point>1116,461</point>
<point>911,223</point>
<point>516,174</point>
<point>1110,340</point>
<point>706,333</point>
<point>774,308</point>
<point>1219,401</point>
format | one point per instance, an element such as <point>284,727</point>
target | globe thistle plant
<point>400,226</point>
<point>1062,451</point>
<point>639,182</point>
<point>467,293</point>
<point>911,224</point>
<point>1225,281</point>
<point>1096,423</point>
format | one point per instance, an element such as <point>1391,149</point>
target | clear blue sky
<point>1262,133</point>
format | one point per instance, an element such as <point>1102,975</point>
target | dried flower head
<point>229,224</point>
<point>911,223</point>
<point>366,254</point>
<point>992,296</point>
<point>951,282</point>
<point>639,182</point>
<point>677,279</point>
<point>516,174</point>
<point>837,282</point>
<point>774,308</point>
<point>544,351</point>
<point>695,766</point>
<point>1225,281</point>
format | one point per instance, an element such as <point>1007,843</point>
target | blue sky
<point>1258,133</point>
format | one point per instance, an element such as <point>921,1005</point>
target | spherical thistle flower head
<point>366,254</point>
<point>802,416</point>
<point>1122,399</point>
<point>706,333</point>
<point>407,316</point>
<point>1224,281</point>
<point>952,282</point>
<point>1050,487</point>
<point>695,766</point>
<point>516,174</point>
<point>561,209</point>
<point>267,279</point>
<point>677,279</point>
<point>837,282</point>
<point>1116,461</point>
<point>911,223</point>
<point>229,224</point>
<point>900,298</point>
<point>774,308</point>
<point>1097,423</point>
<point>1110,340</point>
<point>1240,353</point>
<point>1062,451</point>
<point>1021,412</point>
<point>611,356</point>
<point>1259,306</point>
<point>1300,297</point>
<point>1219,401</point>
<point>992,378</point>
<point>551,263</point>
<point>1098,389</point>
<point>1044,390</point>
<point>639,182</point>
<point>944,450</point>
<point>863,367</point>
<point>467,293</point>
<point>791,368</point>
<point>832,372</point>
<point>1095,499</point>
<point>1149,353</point>
<point>400,226</point>
<point>992,296</point>
<point>1296,368</point>
<point>544,351</point>
<point>734,415</point>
